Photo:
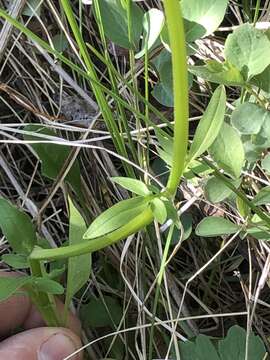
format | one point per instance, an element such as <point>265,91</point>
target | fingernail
<point>57,347</point>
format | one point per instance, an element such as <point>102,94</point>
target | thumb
<point>41,344</point>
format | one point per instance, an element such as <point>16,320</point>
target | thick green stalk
<point>44,302</point>
<point>89,246</point>
<point>180,91</point>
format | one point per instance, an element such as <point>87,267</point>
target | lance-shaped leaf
<point>209,125</point>
<point>116,216</point>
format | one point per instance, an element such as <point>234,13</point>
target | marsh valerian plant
<point>246,127</point>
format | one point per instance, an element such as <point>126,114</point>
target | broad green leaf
<point>248,49</point>
<point>16,261</point>
<point>47,285</point>
<point>17,228</point>
<point>159,210</point>
<point>10,285</point>
<point>217,191</point>
<point>133,185</point>
<point>262,139</point>
<point>205,348</point>
<point>266,163</point>
<point>163,91</point>
<point>262,80</point>
<point>101,312</point>
<point>114,20</point>
<point>79,267</point>
<point>153,21</point>
<point>209,125</point>
<point>32,8</point>
<point>220,73</point>
<point>215,226</point>
<point>207,13</point>
<point>253,152</point>
<point>116,216</point>
<point>262,197</point>
<point>233,347</point>
<point>248,118</point>
<point>227,150</point>
<point>53,156</point>
<point>60,42</point>
<point>242,207</point>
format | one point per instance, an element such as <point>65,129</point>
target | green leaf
<point>215,226</point>
<point>259,232</point>
<point>79,267</point>
<point>116,216</point>
<point>16,261</point>
<point>248,49</point>
<point>99,313</point>
<point>133,185</point>
<point>163,91</point>
<point>47,285</point>
<point>32,8</point>
<point>217,191</point>
<point>10,285</point>
<point>115,22</point>
<point>153,21</point>
<point>262,197</point>
<point>233,346</point>
<point>227,150</point>
<point>248,118</point>
<point>159,210</point>
<point>220,73</point>
<point>17,228</point>
<point>262,80</point>
<point>209,125</point>
<point>204,346</point>
<point>266,163</point>
<point>60,42</point>
<point>53,156</point>
<point>207,13</point>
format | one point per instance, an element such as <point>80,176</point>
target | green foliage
<point>102,312</point>
<point>204,13</point>
<point>114,18</point>
<point>232,347</point>
<point>248,118</point>
<point>116,216</point>
<point>248,49</point>
<point>153,22</point>
<point>266,164</point>
<point>209,125</point>
<point>16,261</point>
<point>32,8</point>
<point>79,267</point>
<point>47,285</point>
<point>262,197</point>
<point>220,73</point>
<point>217,191</point>
<point>17,228</point>
<point>227,150</point>
<point>53,156</point>
<point>212,226</point>
<point>10,285</point>
<point>133,185</point>
<point>159,210</point>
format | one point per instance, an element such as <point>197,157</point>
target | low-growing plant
<point>226,142</point>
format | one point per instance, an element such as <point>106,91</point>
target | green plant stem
<point>180,91</point>
<point>44,302</point>
<point>89,246</point>
<point>157,292</point>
